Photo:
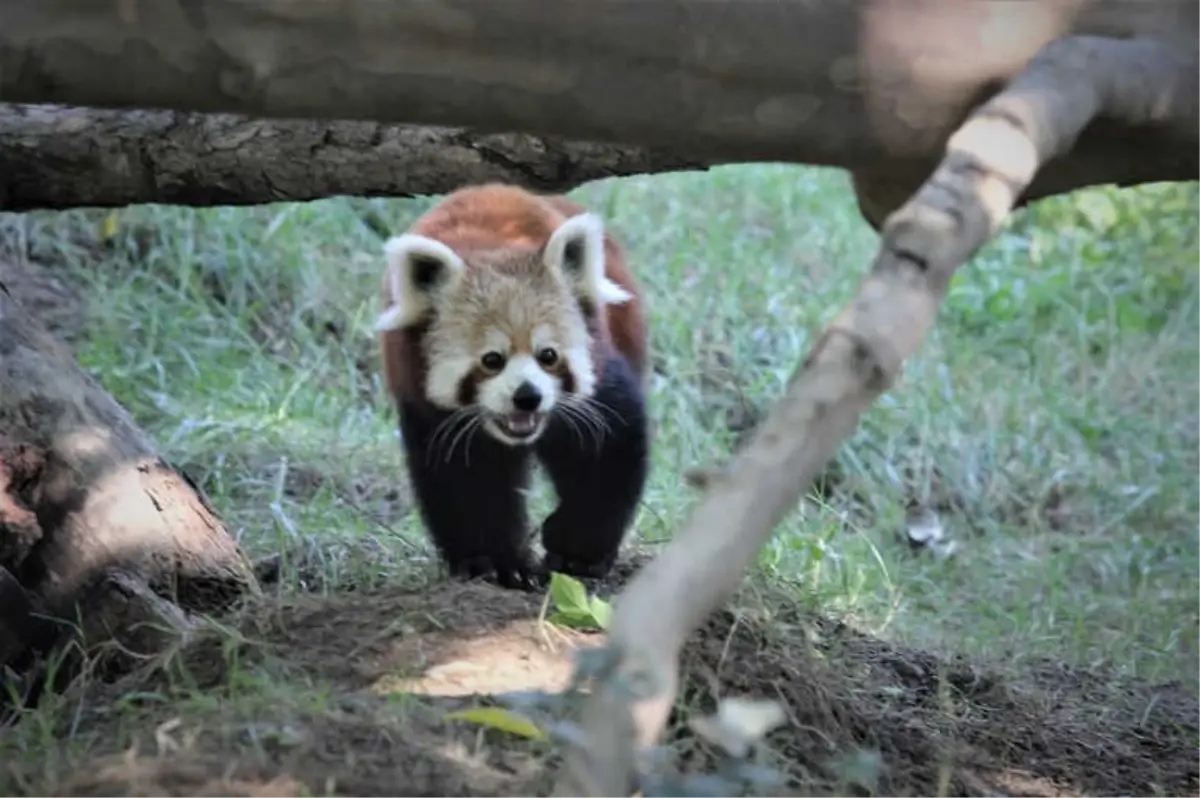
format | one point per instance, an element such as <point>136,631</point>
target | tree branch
<point>63,157</point>
<point>873,86</point>
<point>988,163</point>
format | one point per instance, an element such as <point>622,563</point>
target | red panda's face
<point>512,345</point>
<point>507,339</point>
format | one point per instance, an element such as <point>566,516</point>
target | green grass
<point>1050,418</point>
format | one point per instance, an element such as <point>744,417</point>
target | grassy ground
<point>1050,421</point>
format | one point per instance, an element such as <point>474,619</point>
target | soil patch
<point>318,692</point>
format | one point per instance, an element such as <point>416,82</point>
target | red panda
<point>512,329</point>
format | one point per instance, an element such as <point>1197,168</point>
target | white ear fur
<point>416,268</point>
<point>584,271</point>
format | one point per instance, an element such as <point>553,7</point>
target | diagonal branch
<point>989,161</point>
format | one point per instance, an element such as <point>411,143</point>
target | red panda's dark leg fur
<point>599,482</point>
<point>471,502</point>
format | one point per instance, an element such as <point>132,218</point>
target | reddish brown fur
<point>494,216</point>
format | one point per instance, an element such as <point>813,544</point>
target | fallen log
<point>100,538</point>
<point>988,163</point>
<point>62,157</point>
<point>872,86</point>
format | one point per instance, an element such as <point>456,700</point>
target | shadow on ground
<point>344,694</point>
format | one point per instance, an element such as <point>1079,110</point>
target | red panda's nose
<point>527,398</point>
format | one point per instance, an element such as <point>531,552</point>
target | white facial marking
<point>445,375</point>
<point>496,393</point>
<point>448,369</point>
<point>578,358</point>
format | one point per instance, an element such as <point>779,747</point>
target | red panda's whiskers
<point>443,429</point>
<point>593,407</point>
<point>600,408</point>
<point>465,433</point>
<point>582,415</point>
<point>441,433</point>
<point>568,417</point>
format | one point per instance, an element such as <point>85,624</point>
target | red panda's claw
<point>523,573</point>
<point>527,576</point>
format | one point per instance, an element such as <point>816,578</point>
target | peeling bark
<point>58,157</point>
<point>874,86</point>
<point>91,514</point>
<point>988,163</point>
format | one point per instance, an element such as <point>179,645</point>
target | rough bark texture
<point>987,164</point>
<point>59,157</point>
<point>869,85</point>
<point>95,528</point>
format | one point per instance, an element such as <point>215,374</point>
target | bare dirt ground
<point>298,700</point>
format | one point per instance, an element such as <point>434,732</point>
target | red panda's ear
<point>418,268</point>
<point>576,251</point>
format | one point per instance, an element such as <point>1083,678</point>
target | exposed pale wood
<point>88,508</point>
<point>987,163</point>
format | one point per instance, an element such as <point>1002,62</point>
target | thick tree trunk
<point>58,157</point>
<point>96,529</point>
<point>875,86</point>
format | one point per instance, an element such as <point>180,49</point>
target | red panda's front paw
<point>519,572</point>
<point>577,546</point>
<point>574,566</point>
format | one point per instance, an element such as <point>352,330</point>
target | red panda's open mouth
<point>520,425</point>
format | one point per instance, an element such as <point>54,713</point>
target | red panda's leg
<point>598,469</point>
<point>469,496</point>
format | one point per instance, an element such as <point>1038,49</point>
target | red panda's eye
<point>547,357</point>
<point>492,361</point>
